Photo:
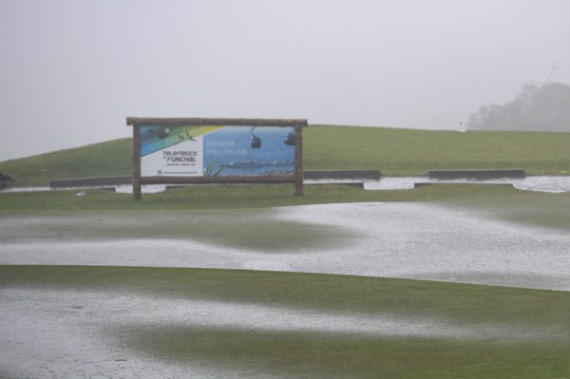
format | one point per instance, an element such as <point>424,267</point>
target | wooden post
<point>137,194</point>
<point>299,160</point>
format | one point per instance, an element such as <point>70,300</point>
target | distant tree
<point>537,108</point>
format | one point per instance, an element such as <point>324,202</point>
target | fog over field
<point>71,71</point>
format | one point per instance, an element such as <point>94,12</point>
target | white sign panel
<point>182,159</point>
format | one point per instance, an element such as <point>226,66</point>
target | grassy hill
<point>392,151</point>
<point>110,158</point>
<point>413,152</point>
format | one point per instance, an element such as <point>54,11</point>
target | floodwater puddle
<point>403,240</point>
<point>55,332</point>
<point>254,231</point>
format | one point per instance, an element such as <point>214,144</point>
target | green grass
<point>236,197</point>
<point>252,230</point>
<point>319,355</point>
<point>392,151</point>
<point>413,152</point>
<point>112,158</point>
<point>541,351</point>
<point>545,314</point>
<point>533,208</point>
<point>103,215</point>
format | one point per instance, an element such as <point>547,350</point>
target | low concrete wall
<point>426,184</point>
<point>476,174</point>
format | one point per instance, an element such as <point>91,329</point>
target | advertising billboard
<point>217,150</point>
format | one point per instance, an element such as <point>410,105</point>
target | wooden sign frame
<point>138,180</point>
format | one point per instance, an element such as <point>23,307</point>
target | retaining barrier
<point>476,174</point>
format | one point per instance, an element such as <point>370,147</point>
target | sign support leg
<point>136,180</point>
<point>299,160</point>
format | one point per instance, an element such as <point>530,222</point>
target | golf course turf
<point>251,323</point>
<point>508,332</point>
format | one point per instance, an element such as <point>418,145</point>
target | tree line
<point>536,108</point>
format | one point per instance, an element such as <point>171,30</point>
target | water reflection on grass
<point>260,324</point>
<point>251,230</point>
<point>306,354</point>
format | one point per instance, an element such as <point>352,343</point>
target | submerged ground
<point>62,321</point>
<point>491,241</point>
<point>108,318</point>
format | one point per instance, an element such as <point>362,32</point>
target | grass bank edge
<point>395,152</point>
<point>28,273</point>
<point>538,210</point>
<point>267,286</point>
<point>251,196</point>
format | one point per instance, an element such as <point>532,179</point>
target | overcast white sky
<point>72,70</point>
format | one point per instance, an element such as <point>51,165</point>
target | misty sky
<point>71,71</point>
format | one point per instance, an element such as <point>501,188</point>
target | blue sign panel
<point>217,151</point>
<point>243,151</point>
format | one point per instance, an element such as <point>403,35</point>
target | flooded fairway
<point>86,322</point>
<point>145,293</point>
<point>404,240</point>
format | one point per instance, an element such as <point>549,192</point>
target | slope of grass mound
<point>392,151</point>
<point>413,152</point>
<point>112,158</point>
